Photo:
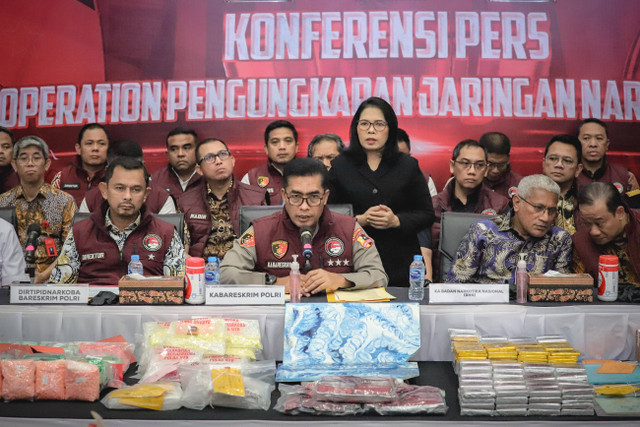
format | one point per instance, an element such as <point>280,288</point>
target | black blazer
<point>400,186</point>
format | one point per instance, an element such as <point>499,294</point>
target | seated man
<point>122,227</point>
<point>499,177</point>
<point>12,265</point>
<point>610,229</point>
<point>325,147</point>
<point>489,251</point>
<point>37,202</point>
<point>562,163</point>
<point>8,176</point>
<point>268,245</point>
<point>211,209</point>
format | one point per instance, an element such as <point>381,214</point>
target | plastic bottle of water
<point>416,279</point>
<point>212,271</point>
<point>135,265</point>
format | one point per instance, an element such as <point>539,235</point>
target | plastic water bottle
<point>416,279</point>
<point>212,271</point>
<point>135,265</point>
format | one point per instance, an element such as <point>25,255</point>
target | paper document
<point>375,294</point>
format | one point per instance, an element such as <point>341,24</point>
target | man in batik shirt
<point>489,251</point>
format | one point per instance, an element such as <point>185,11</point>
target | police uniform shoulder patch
<point>334,246</point>
<point>247,240</point>
<point>619,187</point>
<point>360,236</point>
<point>489,212</point>
<point>263,181</point>
<point>512,191</point>
<point>152,242</point>
<point>279,248</point>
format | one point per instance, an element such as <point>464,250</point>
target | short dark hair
<point>205,141</point>
<point>404,136</point>
<point>90,126</point>
<point>594,191</point>
<point>279,124</point>
<point>331,137</point>
<point>8,132</point>
<point>181,131</point>
<point>390,152</point>
<point>596,121</point>
<point>304,166</point>
<point>496,143</point>
<point>128,163</point>
<point>467,143</point>
<point>124,148</point>
<point>566,139</point>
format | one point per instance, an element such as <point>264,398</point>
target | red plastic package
<point>414,400</point>
<point>120,350</point>
<point>18,379</point>
<point>356,389</point>
<point>82,381</point>
<point>50,375</point>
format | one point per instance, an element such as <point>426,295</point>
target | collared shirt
<point>51,206</point>
<point>221,235</point>
<point>567,205</point>
<point>489,252</point>
<point>619,248</point>
<point>183,184</point>
<point>472,201</point>
<point>68,265</point>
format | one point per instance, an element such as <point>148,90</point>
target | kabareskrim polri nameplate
<point>244,295</point>
<point>49,294</point>
<point>468,293</point>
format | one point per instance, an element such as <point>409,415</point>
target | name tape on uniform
<point>244,295</point>
<point>49,294</point>
<point>468,293</point>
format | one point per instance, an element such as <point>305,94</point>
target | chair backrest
<point>249,213</point>
<point>175,219</point>
<point>453,227</point>
<point>9,215</point>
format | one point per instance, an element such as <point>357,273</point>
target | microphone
<point>33,233</point>
<point>305,238</point>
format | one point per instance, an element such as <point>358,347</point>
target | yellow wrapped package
<point>208,335</point>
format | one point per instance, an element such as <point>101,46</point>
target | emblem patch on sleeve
<point>247,240</point>
<point>362,238</point>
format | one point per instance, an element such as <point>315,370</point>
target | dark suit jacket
<point>400,186</point>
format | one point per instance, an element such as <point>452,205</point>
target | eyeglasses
<point>466,164</point>
<point>540,209</point>
<point>378,125</point>
<point>499,166</point>
<point>313,200</point>
<point>329,157</point>
<point>566,161</point>
<point>24,159</point>
<point>211,158</point>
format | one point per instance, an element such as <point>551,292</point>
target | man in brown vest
<point>280,144</point>
<point>122,227</point>
<point>342,254</point>
<point>499,176</point>
<point>8,176</point>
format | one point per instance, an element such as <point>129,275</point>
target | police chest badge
<point>152,242</point>
<point>619,187</point>
<point>247,240</point>
<point>279,248</point>
<point>512,191</point>
<point>334,246</point>
<point>489,212</point>
<point>263,181</point>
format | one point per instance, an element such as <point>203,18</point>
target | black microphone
<point>33,233</point>
<point>306,236</point>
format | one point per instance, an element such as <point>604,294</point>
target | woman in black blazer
<point>388,191</point>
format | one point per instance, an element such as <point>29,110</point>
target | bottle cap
<point>135,257</point>
<point>417,257</point>
<point>608,259</point>
<point>211,259</point>
<point>194,262</point>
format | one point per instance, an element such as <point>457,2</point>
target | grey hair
<point>331,137</point>
<point>537,182</point>
<point>31,141</point>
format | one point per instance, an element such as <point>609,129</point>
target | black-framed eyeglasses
<point>313,200</point>
<point>211,157</point>
<point>378,125</point>
<point>499,166</point>
<point>566,161</point>
<point>540,209</point>
<point>466,164</point>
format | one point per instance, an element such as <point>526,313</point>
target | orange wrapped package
<point>18,379</point>
<point>50,375</point>
<point>82,381</point>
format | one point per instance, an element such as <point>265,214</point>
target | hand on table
<point>321,280</point>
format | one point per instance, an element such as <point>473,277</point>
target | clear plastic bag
<point>160,396</point>
<point>18,379</point>
<point>413,400</point>
<point>82,381</point>
<point>356,389</point>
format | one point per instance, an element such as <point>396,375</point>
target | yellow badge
<point>279,248</point>
<point>263,181</point>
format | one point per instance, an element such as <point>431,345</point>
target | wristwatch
<point>270,279</point>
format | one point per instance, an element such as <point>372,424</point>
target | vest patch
<point>198,216</point>
<point>71,186</point>
<point>279,248</point>
<point>247,240</point>
<point>512,191</point>
<point>619,187</point>
<point>362,238</point>
<point>263,181</point>
<point>273,264</point>
<point>334,246</point>
<point>489,212</point>
<point>152,242</point>
<point>87,257</point>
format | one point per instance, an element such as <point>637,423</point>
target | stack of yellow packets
<point>532,352</point>
<point>561,352</point>
<point>468,350</point>
<point>501,350</point>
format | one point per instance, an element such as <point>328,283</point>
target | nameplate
<point>49,294</point>
<point>468,293</point>
<point>244,295</point>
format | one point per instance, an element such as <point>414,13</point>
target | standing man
<point>122,227</point>
<point>594,137</point>
<point>499,177</point>
<point>8,176</point>
<point>489,251</point>
<point>212,208</point>
<point>325,147</point>
<point>280,144</point>
<point>88,168</point>
<point>344,256</point>
<point>37,202</point>
<point>180,175</point>
<point>562,163</point>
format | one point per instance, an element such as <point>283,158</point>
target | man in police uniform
<point>344,256</point>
